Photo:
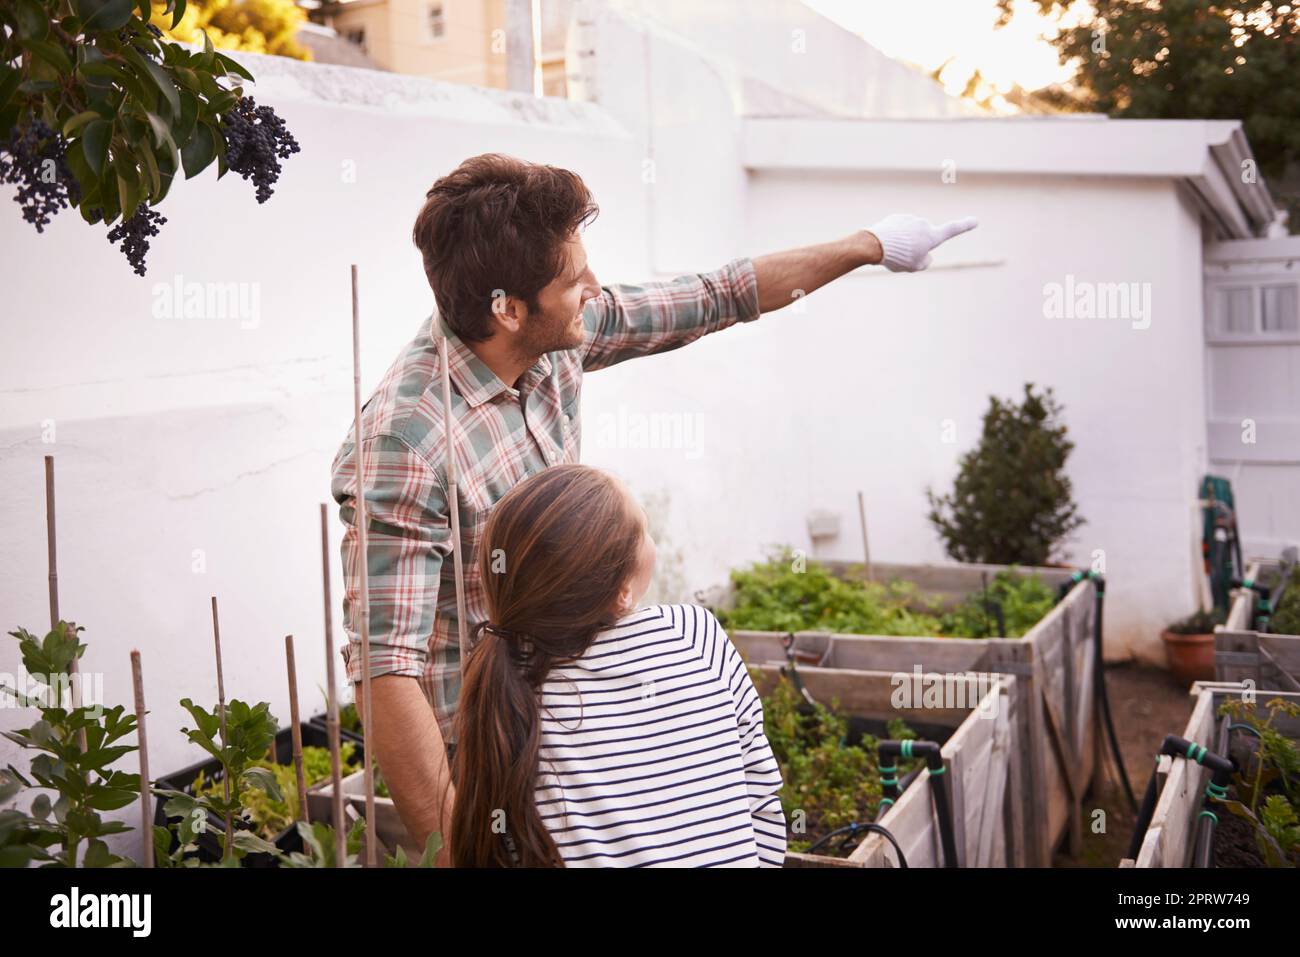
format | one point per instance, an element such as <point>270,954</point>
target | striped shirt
<point>653,752</point>
<point>500,435</point>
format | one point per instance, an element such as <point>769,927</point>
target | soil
<point>1234,842</point>
<point>1146,703</point>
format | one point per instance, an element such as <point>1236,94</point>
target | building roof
<point>328,47</point>
<point>1210,156</point>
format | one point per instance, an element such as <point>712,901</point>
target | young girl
<point>592,732</point>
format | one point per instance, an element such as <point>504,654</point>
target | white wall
<point>180,437</point>
<point>800,411</point>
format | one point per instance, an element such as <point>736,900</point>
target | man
<point>525,319</point>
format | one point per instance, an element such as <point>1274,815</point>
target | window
<point>1236,317</point>
<point>1264,309</point>
<point>435,21</point>
<point>1278,312</point>
<point>357,35</point>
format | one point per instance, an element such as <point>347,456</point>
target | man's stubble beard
<point>542,334</point>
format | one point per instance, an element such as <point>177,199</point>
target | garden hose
<point>1099,670</point>
<point>1216,790</point>
<point>851,829</point>
<point>1261,610</point>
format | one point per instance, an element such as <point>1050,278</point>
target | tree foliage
<point>1011,502</point>
<point>1191,59</point>
<point>259,26</point>
<point>99,112</point>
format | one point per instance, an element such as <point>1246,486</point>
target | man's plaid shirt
<point>500,435</point>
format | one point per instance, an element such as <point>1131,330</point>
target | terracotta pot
<point>1191,657</point>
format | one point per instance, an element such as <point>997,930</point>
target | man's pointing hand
<point>906,240</point>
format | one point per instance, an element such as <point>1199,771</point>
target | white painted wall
<point>173,436</point>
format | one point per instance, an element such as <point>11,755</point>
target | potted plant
<point>1189,647</point>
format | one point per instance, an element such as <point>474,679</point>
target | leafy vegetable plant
<point>828,781</point>
<point>1267,789</point>
<point>76,772</point>
<point>788,594</point>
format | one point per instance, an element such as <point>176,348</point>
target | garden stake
<point>303,814</point>
<point>364,571</point>
<point>866,548</point>
<point>146,813</point>
<point>50,540</point>
<point>332,704</point>
<point>221,711</point>
<point>453,495</point>
<point>1216,790</point>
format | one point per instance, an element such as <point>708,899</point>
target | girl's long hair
<point>557,550</point>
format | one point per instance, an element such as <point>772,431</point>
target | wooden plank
<point>1180,796</point>
<point>1064,752</point>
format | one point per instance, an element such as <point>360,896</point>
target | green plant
<point>1271,779</point>
<point>1022,600</point>
<point>1286,618</point>
<point>785,594</point>
<point>76,746</point>
<point>269,815</point>
<point>1011,501</point>
<point>828,781</point>
<point>1199,622</point>
<point>789,593</point>
<point>249,731</point>
<point>98,112</point>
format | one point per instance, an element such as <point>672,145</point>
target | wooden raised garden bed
<point>980,775</point>
<point>1054,732</point>
<point>1271,661</point>
<point>1170,837</point>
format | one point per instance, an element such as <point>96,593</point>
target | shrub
<point>1011,501</point>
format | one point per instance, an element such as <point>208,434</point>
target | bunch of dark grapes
<point>35,159</point>
<point>134,234</point>
<point>255,137</point>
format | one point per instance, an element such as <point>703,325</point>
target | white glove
<point>907,240</point>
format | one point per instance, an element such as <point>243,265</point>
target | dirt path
<point>1146,704</point>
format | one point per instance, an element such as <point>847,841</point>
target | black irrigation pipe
<point>1099,670</point>
<point>1216,790</point>
<point>892,788</point>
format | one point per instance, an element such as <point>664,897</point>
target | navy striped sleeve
<point>762,773</point>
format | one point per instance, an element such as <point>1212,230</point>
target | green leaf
<point>51,53</point>
<point>233,66</point>
<point>94,145</point>
<point>33,20</point>
<point>199,151</point>
<point>103,15</point>
<point>178,13</point>
<point>431,849</point>
<point>75,123</point>
<point>159,77</point>
<point>9,80</point>
<point>109,799</point>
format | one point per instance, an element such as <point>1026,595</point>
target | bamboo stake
<point>332,703</point>
<point>51,547</point>
<point>364,573</point>
<point>866,548</point>
<point>221,712</point>
<point>51,540</point>
<point>303,814</point>
<point>146,810</point>
<point>453,496</point>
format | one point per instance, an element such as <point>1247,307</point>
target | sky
<point>956,28</point>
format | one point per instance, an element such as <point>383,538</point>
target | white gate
<point>1252,366</point>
